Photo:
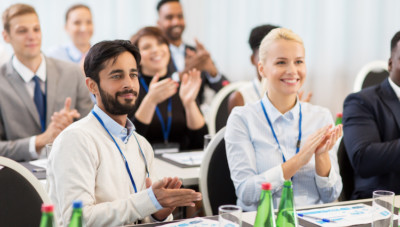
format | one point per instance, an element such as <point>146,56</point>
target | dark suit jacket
<point>216,86</point>
<point>19,119</point>
<point>371,120</point>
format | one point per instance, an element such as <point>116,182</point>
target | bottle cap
<point>339,115</point>
<point>287,183</point>
<point>76,204</point>
<point>266,186</point>
<point>46,208</point>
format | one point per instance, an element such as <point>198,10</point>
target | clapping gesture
<point>190,87</point>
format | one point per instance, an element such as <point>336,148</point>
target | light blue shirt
<point>67,52</point>
<point>123,133</point>
<point>254,157</point>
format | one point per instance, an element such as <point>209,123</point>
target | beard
<point>113,106</point>
<point>174,35</point>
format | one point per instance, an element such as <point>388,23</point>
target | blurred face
<point>171,21</point>
<point>119,85</point>
<point>284,67</point>
<point>25,36</point>
<point>394,65</point>
<point>155,55</point>
<point>79,26</point>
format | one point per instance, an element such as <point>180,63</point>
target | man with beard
<point>184,57</point>
<point>33,88</point>
<point>102,161</point>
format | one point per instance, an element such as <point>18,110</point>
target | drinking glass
<point>230,216</point>
<point>382,206</point>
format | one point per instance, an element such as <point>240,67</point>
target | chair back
<point>21,195</point>
<point>346,171</point>
<point>371,74</point>
<point>216,185</point>
<point>218,114</point>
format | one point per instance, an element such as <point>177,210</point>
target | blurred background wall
<point>340,36</point>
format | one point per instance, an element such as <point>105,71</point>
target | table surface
<point>188,176</point>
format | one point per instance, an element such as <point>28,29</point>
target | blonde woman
<point>280,138</point>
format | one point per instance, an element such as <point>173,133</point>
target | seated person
<point>79,26</point>
<point>166,111</point>
<point>371,124</point>
<point>184,57</point>
<point>102,161</point>
<point>280,138</point>
<point>33,88</point>
<point>252,91</point>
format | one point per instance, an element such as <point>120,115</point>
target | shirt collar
<point>123,133</point>
<point>26,73</point>
<point>180,49</point>
<point>73,53</point>
<point>274,113</point>
<point>395,88</point>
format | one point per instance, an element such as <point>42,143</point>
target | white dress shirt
<point>27,75</point>
<point>396,88</point>
<point>254,157</point>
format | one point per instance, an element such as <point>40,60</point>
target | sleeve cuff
<point>326,182</point>
<point>153,198</point>
<point>32,148</point>
<point>275,177</point>
<point>215,79</point>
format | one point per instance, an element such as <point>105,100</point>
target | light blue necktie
<point>40,102</point>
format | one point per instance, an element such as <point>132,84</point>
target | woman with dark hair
<point>166,112</point>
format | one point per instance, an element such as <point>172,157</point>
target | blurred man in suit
<point>371,120</point>
<point>185,57</point>
<point>39,96</point>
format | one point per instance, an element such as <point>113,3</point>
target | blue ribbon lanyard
<point>166,130</point>
<point>120,151</point>
<point>274,134</point>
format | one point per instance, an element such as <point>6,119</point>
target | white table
<point>188,176</point>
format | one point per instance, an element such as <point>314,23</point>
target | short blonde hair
<point>276,34</point>
<point>14,11</point>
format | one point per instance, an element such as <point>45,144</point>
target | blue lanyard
<point>166,130</point>
<point>126,162</point>
<point>274,134</point>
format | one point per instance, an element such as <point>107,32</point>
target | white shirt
<point>254,157</point>
<point>251,91</point>
<point>85,164</point>
<point>396,88</point>
<point>27,75</point>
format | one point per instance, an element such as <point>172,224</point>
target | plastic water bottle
<point>339,117</point>
<point>76,217</point>
<point>265,211</point>
<point>287,213</point>
<point>47,216</point>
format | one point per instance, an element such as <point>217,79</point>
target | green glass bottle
<point>76,217</point>
<point>287,213</point>
<point>265,211</point>
<point>47,216</point>
<point>339,117</point>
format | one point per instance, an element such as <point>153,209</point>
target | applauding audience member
<point>280,138</point>
<point>166,111</point>
<point>185,57</point>
<point>33,87</point>
<point>102,161</point>
<point>371,121</point>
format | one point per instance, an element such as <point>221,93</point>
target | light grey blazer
<point>19,118</point>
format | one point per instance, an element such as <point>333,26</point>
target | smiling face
<point>171,20</point>
<point>79,26</point>
<point>24,36</point>
<point>284,67</point>
<point>119,86</point>
<point>155,55</point>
